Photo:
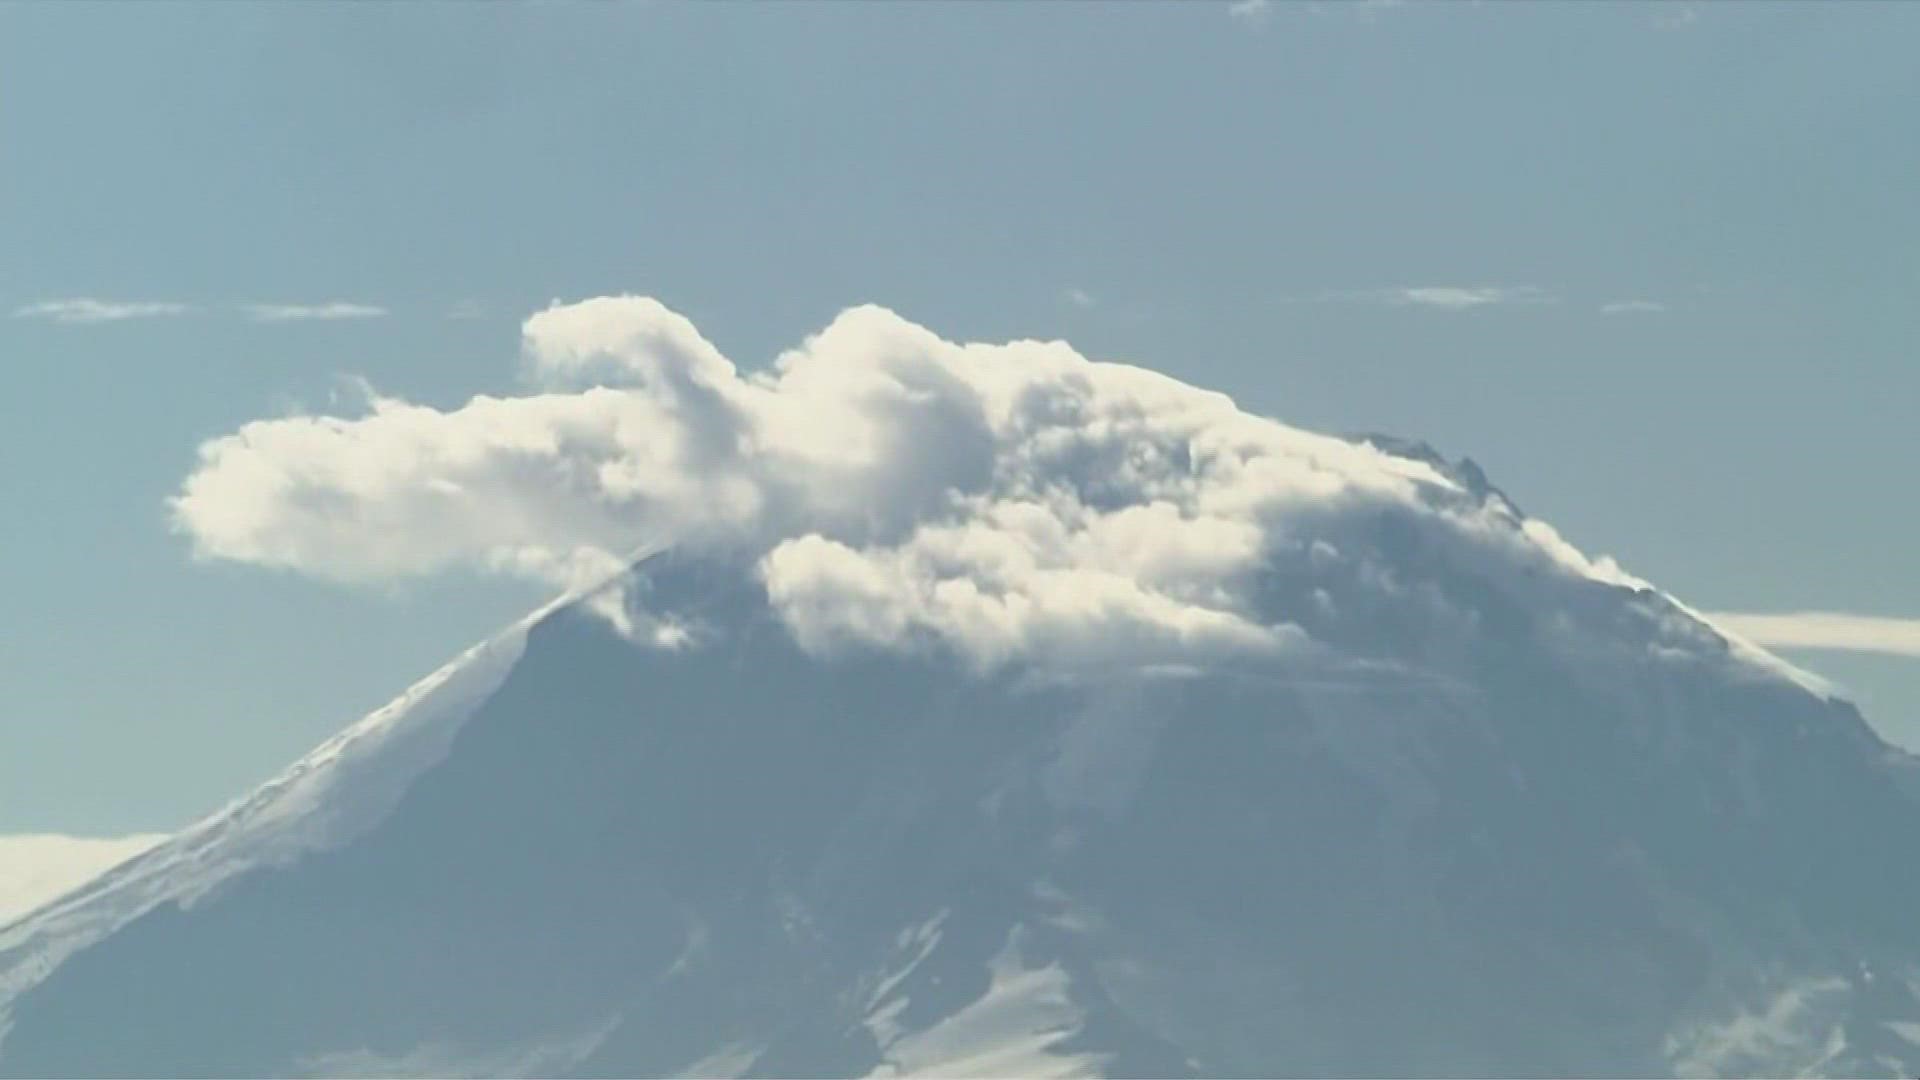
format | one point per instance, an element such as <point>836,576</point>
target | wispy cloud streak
<point>1835,630</point>
<point>332,310</point>
<point>1438,297</point>
<point>1460,298</point>
<point>1256,12</point>
<point>86,309</point>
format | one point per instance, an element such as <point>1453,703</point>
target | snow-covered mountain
<point>990,711</point>
<point>1485,826</point>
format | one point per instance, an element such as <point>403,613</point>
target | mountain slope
<point>1488,823</point>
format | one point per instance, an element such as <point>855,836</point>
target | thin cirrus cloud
<point>1255,12</point>
<point>87,309</point>
<point>38,867</point>
<point>1462,298</point>
<point>77,310</point>
<point>1435,297</point>
<point>1827,630</point>
<point>333,310</point>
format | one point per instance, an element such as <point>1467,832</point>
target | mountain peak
<point>989,709</point>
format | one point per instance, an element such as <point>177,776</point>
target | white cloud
<point>895,490</point>
<point>83,309</point>
<point>1799,1026</point>
<point>1079,298</point>
<point>38,867</point>
<point>1019,584</point>
<point>1836,630</point>
<point>1632,307</point>
<point>332,310</point>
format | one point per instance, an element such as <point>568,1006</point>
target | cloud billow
<point>892,489</point>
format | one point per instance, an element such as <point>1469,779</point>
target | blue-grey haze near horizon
<point>1669,264</point>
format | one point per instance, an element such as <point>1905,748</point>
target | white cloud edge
<point>1837,631</point>
<point>1632,307</point>
<point>88,309</point>
<point>36,868</point>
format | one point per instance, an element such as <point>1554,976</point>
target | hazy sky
<point>1654,267</point>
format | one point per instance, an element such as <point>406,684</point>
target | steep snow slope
<point>324,799</point>
<point>1483,820</point>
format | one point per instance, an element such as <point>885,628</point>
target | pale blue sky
<point>1239,199</point>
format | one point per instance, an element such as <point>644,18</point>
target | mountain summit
<point>989,711</point>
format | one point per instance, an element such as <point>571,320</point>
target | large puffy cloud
<point>892,488</point>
